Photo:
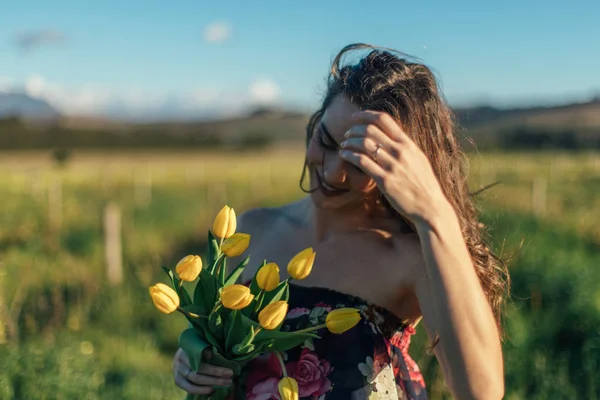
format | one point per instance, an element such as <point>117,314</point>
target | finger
<point>182,357</point>
<point>182,383</point>
<point>362,144</point>
<point>365,163</point>
<point>213,370</point>
<point>383,121</point>
<point>380,153</point>
<point>206,380</point>
<point>369,131</point>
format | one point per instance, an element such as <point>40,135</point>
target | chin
<point>333,202</point>
<point>345,200</point>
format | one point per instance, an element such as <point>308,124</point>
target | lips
<point>327,189</point>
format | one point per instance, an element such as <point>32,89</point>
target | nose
<point>334,171</point>
<point>328,163</point>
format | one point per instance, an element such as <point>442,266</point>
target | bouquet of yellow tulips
<point>235,322</point>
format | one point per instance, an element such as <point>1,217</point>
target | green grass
<point>73,336</point>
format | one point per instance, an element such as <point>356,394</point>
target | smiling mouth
<point>327,189</point>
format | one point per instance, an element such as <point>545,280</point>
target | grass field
<point>69,334</point>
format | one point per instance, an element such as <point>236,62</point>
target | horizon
<point>135,61</point>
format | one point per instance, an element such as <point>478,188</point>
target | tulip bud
<point>300,266</point>
<point>189,268</point>
<point>288,388</point>
<point>267,277</point>
<point>164,298</point>
<point>273,315</point>
<point>236,244</point>
<point>236,297</point>
<point>342,319</point>
<point>225,223</point>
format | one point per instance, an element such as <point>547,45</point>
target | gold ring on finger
<point>376,152</point>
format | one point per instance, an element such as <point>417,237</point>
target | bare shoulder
<point>257,220</point>
<point>400,253</point>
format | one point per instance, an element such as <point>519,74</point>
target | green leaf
<point>249,356</point>
<point>289,343</point>
<point>220,361</point>
<point>181,291</point>
<point>215,322</point>
<point>236,331</point>
<point>249,322</point>
<point>210,337</point>
<point>196,309</point>
<point>213,250</point>
<point>202,325</point>
<point>170,274</point>
<point>222,272</point>
<point>243,349</point>
<point>237,272</point>
<point>279,335</point>
<point>281,292</point>
<point>183,295</point>
<point>193,346</point>
<point>206,290</point>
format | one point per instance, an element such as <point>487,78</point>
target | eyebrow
<point>326,133</point>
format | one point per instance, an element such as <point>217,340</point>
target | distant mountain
<point>585,114</point>
<point>570,126</point>
<point>26,107</point>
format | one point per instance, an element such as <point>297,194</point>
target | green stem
<point>219,264</point>
<point>314,328</point>
<point>280,358</point>
<point>259,300</point>
<point>255,332</point>
<point>189,314</point>
<point>216,307</point>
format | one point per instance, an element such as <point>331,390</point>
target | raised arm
<point>456,311</point>
<point>451,298</point>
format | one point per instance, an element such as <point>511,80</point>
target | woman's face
<point>339,184</point>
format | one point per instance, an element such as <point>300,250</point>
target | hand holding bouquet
<point>237,323</point>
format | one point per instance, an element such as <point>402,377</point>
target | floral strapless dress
<point>370,361</point>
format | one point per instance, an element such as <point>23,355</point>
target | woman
<point>396,235</point>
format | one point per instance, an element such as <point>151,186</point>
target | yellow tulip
<point>273,315</point>
<point>225,223</point>
<point>267,277</point>
<point>342,319</point>
<point>164,298</point>
<point>236,297</point>
<point>300,266</point>
<point>189,268</point>
<point>288,388</point>
<point>236,244</point>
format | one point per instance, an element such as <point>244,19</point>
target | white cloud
<point>6,84</point>
<point>218,32</point>
<point>102,100</point>
<point>89,98</point>
<point>264,91</point>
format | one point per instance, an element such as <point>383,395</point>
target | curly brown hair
<point>389,81</point>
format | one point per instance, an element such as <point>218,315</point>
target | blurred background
<point>125,126</point>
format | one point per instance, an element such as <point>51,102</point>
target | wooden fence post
<point>113,244</point>
<point>538,196</point>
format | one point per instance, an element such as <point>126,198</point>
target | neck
<point>329,222</point>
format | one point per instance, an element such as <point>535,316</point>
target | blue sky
<point>199,55</point>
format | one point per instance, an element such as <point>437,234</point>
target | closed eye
<point>324,138</point>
